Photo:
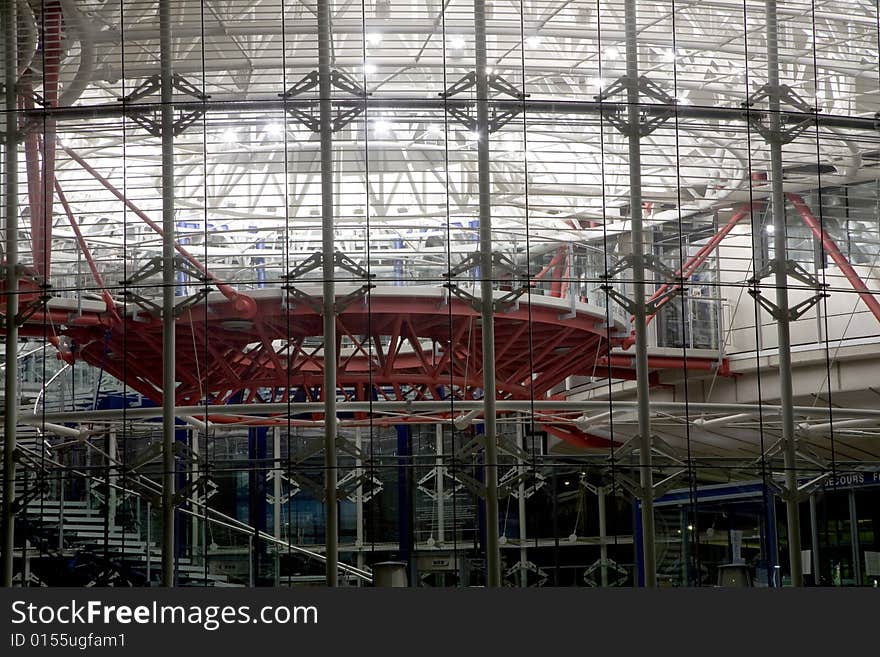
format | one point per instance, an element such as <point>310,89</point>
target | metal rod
<point>441,485</point>
<point>280,410</point>
<point>359,500</point>
<point>168,280</point>
<point>786,399</point>
<point>11,209</point>
<point>390,102</point>
<point>640,324</point>
<point>603,536</point>
<point>329,389</point>
<point>245,305</point>
<point>814,538</point>
<point>521,510</point>
<point>484,182</point>
<point>854,538</point>
<point>839,259</point>
<point>276,493</point>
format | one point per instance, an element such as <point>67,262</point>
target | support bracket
<point>316,261</point>
<point>151,268</point>
<point>499,118</point>
<point>787,96</point>
<point>146,118</point>
<point>308,118</point>
<point>648,123</point>
<point>501,266</point>
<point>793,270</point>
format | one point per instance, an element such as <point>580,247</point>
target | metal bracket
<point>646,87</point>
<point>347,485</point>
<point>316,261</point>
<point>501,265</point>
<point>292,487</point>
<point>651,262</point>
<point>308,118</point>
<point>793,270</point>
<point>203,484</point>
<point>155,266</point>
<point>498,118</point>
<point>509,483</point>
<point>308,82</point>
<point>28,309</point>
<point>153,84</point>
<point>788,96</point>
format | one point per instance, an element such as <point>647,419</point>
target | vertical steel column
<point>326,110</point>
<point>854,538</point>
<point>359,503</point>
<point>521,510</point>
<point>195,551</point>
<point>10,163</point>
<point>441,485</point>
<point>782,323</point>
<point>168,281</point>
<point>640,325</point>
<point>603,536</point>
<point>814,538</point>
<point>276,493</point>
<point>493,554</point>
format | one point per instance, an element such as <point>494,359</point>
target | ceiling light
<point>374,38</point>
<point>597,83</point>
<point>381,127</point>
<point>770,228</point>
<point>274,129</point>
<point>230,136</point>
<point>369,68</point>
<point>457,42</point>
<point>611,52</point>
<point>533,41</point>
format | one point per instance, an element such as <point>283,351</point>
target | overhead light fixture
<point>612,53</point>
<point>230,136</point>
<point>374,38</point>
<point>597,83</point>
<point>274,129</point>
<point>533,41</point>
<point>369,68</point>
<point>457,43</point>
<point>381,127</point>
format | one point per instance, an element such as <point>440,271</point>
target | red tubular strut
<point>243,304</point>
<point>695,261</point>
<point>105,294</point>
<point>831,249</point>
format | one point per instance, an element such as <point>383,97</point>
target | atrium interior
<point>444,294</point>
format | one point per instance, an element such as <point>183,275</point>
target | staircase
<point>72,543</point>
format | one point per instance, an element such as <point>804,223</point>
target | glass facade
<point>508,293</point>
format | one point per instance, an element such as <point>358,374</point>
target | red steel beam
<point>696,261</point>
<point>87,254</point>
<point>243,304</point>
<point>836,255</point>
